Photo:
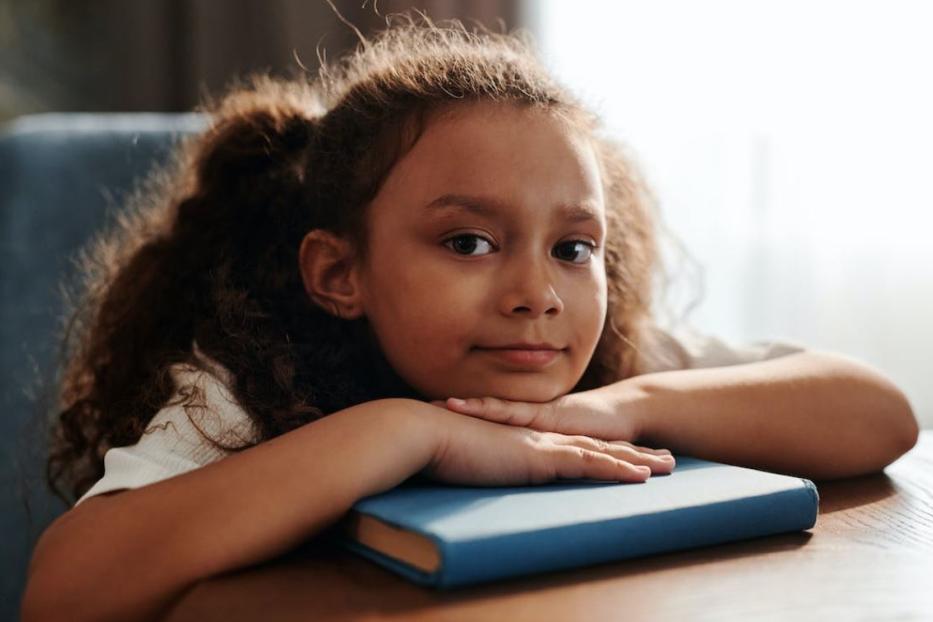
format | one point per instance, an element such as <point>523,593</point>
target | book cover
<point>445,536</point>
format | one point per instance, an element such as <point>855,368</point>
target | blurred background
<point>789,145</point>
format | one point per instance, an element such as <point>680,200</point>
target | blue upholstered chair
<point>61,178</point>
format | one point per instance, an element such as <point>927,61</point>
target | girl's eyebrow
<point>489,207</point>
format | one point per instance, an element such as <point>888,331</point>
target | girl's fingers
<point>540,416</point>
<point>657,463</point>
<point>663,455</point>
<point>495,409</point>
<point>622,450</point>
<point>573,462</point>
<point>647,450</point>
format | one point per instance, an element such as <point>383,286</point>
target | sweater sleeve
<point>179,438</point>
<point>687,348</point>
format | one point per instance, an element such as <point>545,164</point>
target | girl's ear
<point>329,272</point>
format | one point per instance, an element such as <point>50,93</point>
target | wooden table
<point>870,557</point>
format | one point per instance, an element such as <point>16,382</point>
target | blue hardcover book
<point>446,536</point>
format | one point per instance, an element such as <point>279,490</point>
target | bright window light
<point>791,147</point>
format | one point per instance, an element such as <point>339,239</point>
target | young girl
<point>283,326</point>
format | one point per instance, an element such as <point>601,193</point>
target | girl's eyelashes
<point>457,244</point>
<point>467,244</point>
<point>576,246</point>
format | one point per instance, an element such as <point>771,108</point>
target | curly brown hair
<point>207,253</point>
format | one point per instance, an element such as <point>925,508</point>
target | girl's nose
<point>531,293</point>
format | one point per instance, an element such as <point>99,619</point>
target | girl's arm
<point>811,414</point>
<point>129,556</point>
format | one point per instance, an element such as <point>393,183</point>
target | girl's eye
<point>576,251</point>
<point>467,243</point>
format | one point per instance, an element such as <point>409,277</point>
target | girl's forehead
<point>477,148</point>
<point>514,167</point>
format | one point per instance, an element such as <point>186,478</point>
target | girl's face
<point>486,239</point>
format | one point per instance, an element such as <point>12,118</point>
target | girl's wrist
<point>398,439</point>
<point>631,399</point>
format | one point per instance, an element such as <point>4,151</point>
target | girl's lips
<point>536,358</point>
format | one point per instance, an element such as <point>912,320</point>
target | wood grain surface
<point>869,557</point>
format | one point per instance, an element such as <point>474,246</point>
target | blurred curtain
<point>789,144</point>
<point>164,55</point>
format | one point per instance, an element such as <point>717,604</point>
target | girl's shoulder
<point>203,402</point>
<point>685,347</point>
<point>201,423</point>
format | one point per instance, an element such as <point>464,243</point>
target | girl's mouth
<point>523,356</point>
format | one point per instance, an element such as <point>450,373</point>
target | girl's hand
<point>475,452</point>
<point>588,413</point>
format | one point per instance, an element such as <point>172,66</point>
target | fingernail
<point>667,458</point>
<point>456,401</point>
